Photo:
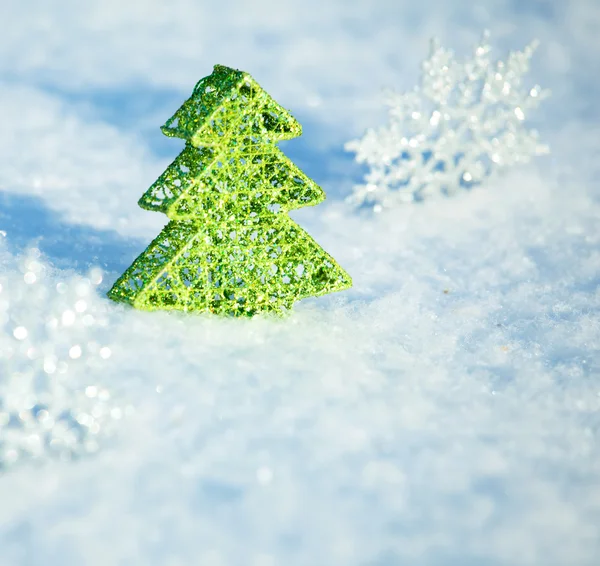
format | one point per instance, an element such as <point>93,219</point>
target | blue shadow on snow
<point>28,222</point>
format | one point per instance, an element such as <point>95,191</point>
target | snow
<point>445,411</point>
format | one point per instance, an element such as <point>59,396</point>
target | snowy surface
<point>445,412</point>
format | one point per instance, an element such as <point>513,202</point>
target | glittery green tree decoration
<point>230,247</point>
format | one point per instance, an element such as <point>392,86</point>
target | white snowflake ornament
<point>53,340</point>
<point>464,123</point>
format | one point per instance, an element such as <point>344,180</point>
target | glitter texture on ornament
<point>51,346</point>
<point>464,123</point>
<point>230,247</point>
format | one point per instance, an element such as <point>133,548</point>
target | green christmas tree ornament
<point>230,247</point>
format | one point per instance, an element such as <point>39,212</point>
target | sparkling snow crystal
<point>50,405</point>
<point>464,123</point>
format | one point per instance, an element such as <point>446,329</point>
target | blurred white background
<point>443,412</point>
